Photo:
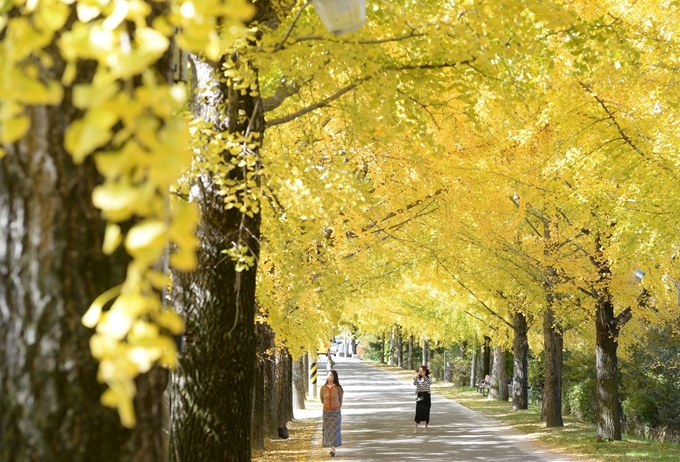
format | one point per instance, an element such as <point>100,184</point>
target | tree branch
<point>492,312</point>
<point>282,92</point>
<point>624,317</point>
<point>281,45</point>
<point>307,38</point>
<point>610,115</point>
<point>408,207</point>
<point>323,103</point>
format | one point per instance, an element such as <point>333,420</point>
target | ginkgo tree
<point>580,65</point>
<point>347,148</point>
<point>93,142</point>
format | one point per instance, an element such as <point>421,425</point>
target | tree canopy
<point>428,170</point>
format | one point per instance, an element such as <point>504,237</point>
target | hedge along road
<point>377,424</point>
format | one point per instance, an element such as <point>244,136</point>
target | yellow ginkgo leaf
<point>117,16</point>
<point>85,135</point>
<point>118,200</point>
<point>92,95</point>
<point>13,129</point>
<point>102,346</point>
<point>115,324</point>
<point>93,314</point>
<point>183,261</point>
<point>52,16</point>
<point>126,411</point>
<point>112,238</point>
<point>109,398</point>
<point>133,304</point>
<point>169,357</point>
<point>149,235</point>
<point>142,330</point>
<point>87,11</point>
<point>144,356</point>
<point>171,321</point>
<point>157,279</point>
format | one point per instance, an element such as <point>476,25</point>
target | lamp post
<point>341,16</point>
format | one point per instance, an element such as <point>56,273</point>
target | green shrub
<point>460,371</point>
<point>641,406</point>
<point>579,400</point>
<point>436,366</point>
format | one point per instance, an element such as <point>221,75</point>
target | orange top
<point>331,396</point>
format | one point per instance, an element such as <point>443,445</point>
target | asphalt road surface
<point>377,424</point>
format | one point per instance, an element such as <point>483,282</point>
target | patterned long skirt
<point>332,434</point>
<point>423,408</point>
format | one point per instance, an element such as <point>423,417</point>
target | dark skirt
<point>332,423</point>
<point>423,408</point>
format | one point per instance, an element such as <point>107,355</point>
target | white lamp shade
<point>341,16</point>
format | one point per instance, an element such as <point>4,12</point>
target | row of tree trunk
<point>400,353</point>
<point>608,416</point>
<point>485,364</point>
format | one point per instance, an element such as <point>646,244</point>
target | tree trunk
<point>306,369</point>
<point>607,327</point>
<point>258,430</point>
<point>264,411</point>
<point>425,353</point>
<point>51,270</point>
<point>382,348</point>
<point>607,414</point>
<point>485,358</point>
<point>270,416</point>
<point>284,391</point>
<point>499,378</point>
<point>299,379</point>
<point>400,348</point>
<point>391,360</point>
<point>473,369</point>
<point>411,340</point>
<point>520,348</point>
<point>480,363</point>
<point>213,387</point>
<point>551,413</point>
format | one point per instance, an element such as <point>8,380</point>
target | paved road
<point>377,421</point>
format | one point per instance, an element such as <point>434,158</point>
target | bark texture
<point>51,269</point>
<point>400,347</point>
<point>284,391</point>
<point>213,387</point>
<point>553,340</point>
<point>552,392</point>
<point>520,348</point>
<point>485,359</point>
<point>299,379</point>
<point>473,369</point>
<point>382,349</point>
<point>264,405</point>
<point>499,378</point>
<point>607,328</point>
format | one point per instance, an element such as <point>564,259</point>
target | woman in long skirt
<point>422,381</point>
<point>331,397</point>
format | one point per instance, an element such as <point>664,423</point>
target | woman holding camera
<point>422,381</point>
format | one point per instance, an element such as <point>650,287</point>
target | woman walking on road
<point>422,381</point>
<point>331,397</point>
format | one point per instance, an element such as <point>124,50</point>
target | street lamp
<point>341,16</point>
